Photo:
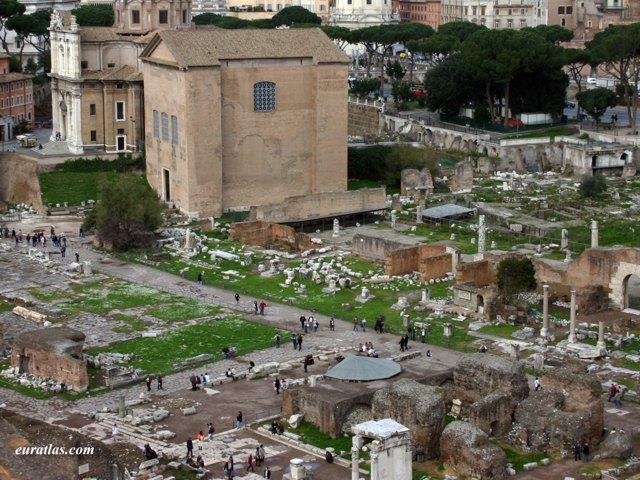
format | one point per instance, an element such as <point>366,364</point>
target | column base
<point>572,339</point>
<point>601,345</point>
<point>544,332</point>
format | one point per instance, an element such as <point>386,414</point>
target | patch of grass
<point>548,132</point>
<point>500,330</point>
<point>71,187</point>
<point>518,458</point>
<point>161,354</point>
<point>185,309</point>
<point>313,436</point>
<point>24,390</point>
<point>47,296</point>
<point>131,324</point>
<point>5,306</point>
<point>626,363</point>
<point>359,184</point>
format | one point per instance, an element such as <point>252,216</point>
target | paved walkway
<point>283,316</point>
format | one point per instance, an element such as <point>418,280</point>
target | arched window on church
<point>264,97</point>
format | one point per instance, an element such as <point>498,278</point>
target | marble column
<point>572,319</point>
<point>544,331</point>
<point>297,469</point>
<point>564,239</point>
<point>419,208</point>
<point>355,462</point>
<point>601,343</point>
<point>594,234</point>
<point>482,236</point>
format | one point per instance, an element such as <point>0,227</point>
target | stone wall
<point>421,408</point>
<point>462,178</point>
<point>54,353</point>
<point>363,120</point>
<point>374,248</point>
<point>270,235</point>
<point>19,180</point>
<point>478,273</point>
<point>432,261</point>
<point>492,414</point>
<point>321,205</point>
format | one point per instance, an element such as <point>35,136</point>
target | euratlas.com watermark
<point>53,450</point>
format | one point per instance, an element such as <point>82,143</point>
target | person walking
<point>294,341</point>
<point>316,325</point>
<point>159,382</point>
<point>401,344</point>
<point>189,448</point>
<point>277,385</point>
<point>363,324</point>
<point>355,324</point>
<point>200,278</point>
<point>617,399</point>
<point>299,342</point>
<point>536,384</point>
<point>210,431</point>
<point>585,453</point>
<point>266,473</point>
<point>262,306</point>
<point>576,452</point>
<point>239,420</point>
<point>255,306</point>
<point>613,389</point>
<point>228,470</point>
<point>332,325</point>
<point>237,297</point>
<point>277,339</point>
<point>261,453</point>
<point>148,383</point>
<point>77,254</point>
<point>250,463</point>
<point>303,322</point>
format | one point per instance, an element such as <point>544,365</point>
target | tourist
<point>115,431</point>
<point>401,342</point>
<point>200,277</point>
<point>355,324</point>
<point>251,366</point>
<point>277,339</point>
<point>203,379</point>
<point>77,254</point>
<point>576,452</point>
<point>199,462</point>
<point>80,233</point>
<point>617,399</point>
<point>149,383</point>
<point>299,342</point>
<point>258,459</point>
<point>229,374</point>
<point>276,385</point>
<point>585,453</point>
<point>428,353</point>
<point>308,360</point>
<point>250,463</point>
<point>189,448</point>
<point>262,306</point>
<point>613,389</point>
<point>316,324</point>
<point>200,438</point>
<point>266,473</point>
<point>228,469</point>
<point>239,420</point>
<point>255,306</point>
<point>483,348</point>
<point>149,453</point>
<point>192,379</point>
<point>159,382</point>
<point>328,456</point>
<point>303,322</point>
<point>332,324</point>
<point>210,431</point>
<point>294,341</point>
<point>231,463</point>
<point>237,297</point>
<point>363,324</point>
<point>536,384</point>
<point>63,251</point>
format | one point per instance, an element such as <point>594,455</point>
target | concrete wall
<point>321,205</point>
<point>19,180</point>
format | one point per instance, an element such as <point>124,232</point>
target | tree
<point>516,275</point>
<point>460,30</point>
<point>596,102</point>
<point>127,213</point>
<point>94,15</point>
<point>340,35</point>
<point>230,23</point>
<point>617,49</point>
<point>412,32</point>
<point>576,61</point>
<point>8,9</point>
<point>31,67</point>
<point>32,29</point>
<point>395,71</point>
<point>365,86</point>
<point>402,93</point>
<point>553,33</point>
<point>295,14</point>
<point>593,186</point>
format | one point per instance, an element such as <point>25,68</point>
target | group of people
<point>39,239</point>
<point>615,395</point>
<point>149,380</point>
<point>309,324</point>
<point>296,340</point>
<point>368,350</point>
<point>404,343</point>
<point>195,380</point>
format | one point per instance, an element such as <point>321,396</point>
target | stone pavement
<point>283,316</point>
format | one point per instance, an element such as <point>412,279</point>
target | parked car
<point>514,122</point>
<point>592,81</point>
<point>418,92</point>
<point>28,140</point>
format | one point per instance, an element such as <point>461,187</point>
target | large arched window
<point>264,96</point>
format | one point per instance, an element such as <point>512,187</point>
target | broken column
<point>419,209</point>
<point>482,236</point>
<point>544,331</point>
<point>564,239</point>
<point>572,319</point>
<point>336,227</point>
<point>393,219</point>
<point>389,445</point>
<point>601,343</point>
<point>594,234</point>
<point>355,457</point>
<point>297,469</point>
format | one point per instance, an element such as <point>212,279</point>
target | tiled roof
<point>192,48</point>
<point>125,73</point>
<point>13,77</point>
<point>112,34</point>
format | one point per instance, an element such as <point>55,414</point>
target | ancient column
<point>601,343</point>
<point>419,208</point>
<point>355,461</point>
<point>297,469</point>
<point>594,234</point>
<point>122,411</point>
<point>572,319</point>
<point>564,239</point>
<point>544,331</point>
<point>482,235</point>
<point>336,227</point>
<point>393,219</point>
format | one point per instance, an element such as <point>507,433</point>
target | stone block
<point>530,465</point>
<point>147,464</point>
<point>294,420</point>
<point>189,411</point>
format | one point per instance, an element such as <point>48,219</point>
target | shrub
<point>593,186</point>
<point>124,163</point>
<point>516,275</point>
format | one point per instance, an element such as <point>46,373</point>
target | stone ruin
<point>53,354</point>
<point>270,235</point>
<point>462,178</point>
<point>416,184</point>
<point>419,407</point>
<point>467,449</point>
<point>389,446</point>
<point>568,410</point>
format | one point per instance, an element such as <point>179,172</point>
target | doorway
<point>166,182</point>
<point>121,143</point>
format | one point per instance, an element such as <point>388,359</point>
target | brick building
<point>16,99</point>
<point>427,12</point>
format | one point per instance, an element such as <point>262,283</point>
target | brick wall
<point>363,120</point>
<point>479,273</point>
<point>269,235</point>
<point>19,180</point>
<point>374,248</point>
<point>432,261</point>
<point>64,369</point>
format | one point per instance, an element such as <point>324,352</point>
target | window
<point>523,23</point>
<point>94,136</point>
<point>156,124</point>
<point>111,65</point>
<point>522,11</point>
<point>483,11</point>
<point>119,111</point>
<point>509,23</point>
<point>165,127</point>
<point>589,24</point>
<point>474,11</point>
<point>264,96</point>
<point>563,22</point>
<point>174,129</point>
<point>135,17</point>
<point>184,16</point>
<point>92,109</point>
<point>29,115</point>
<point>496,24</point>
<point>119,85</point>
<point>560,10</point>
<point>121,131</point>
<point>368,2</point>
<point>569,10</point>
<point>163,16</point>
<point>84,64</point>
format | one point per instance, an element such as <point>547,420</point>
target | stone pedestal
<point>564,239</point>
<point>594,234</point>
<point>544,331</point>
<point>572,319</point>
<point>336,227</point>
<point>297,469</point>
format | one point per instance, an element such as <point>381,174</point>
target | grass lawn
<point>161,354</point>
<point>131,324</point>
<point>500,330</point>
<point>313,436</point>
<point>548,132</point>
<point>518,458</point>
<point>71,187</point>
<point>5,306</point>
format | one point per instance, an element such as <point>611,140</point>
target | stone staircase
<point>52,149</point>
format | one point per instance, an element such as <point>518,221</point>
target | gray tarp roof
<point>447,210</point>
<point>364,369</point>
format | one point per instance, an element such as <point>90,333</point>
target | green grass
<point>548,132</point>
<point>185,309</point>
<point>47,296</point>
<point>359,184</point>
<point>161,354</point>
<point>5,306</point>
<point>518,459</point>
<point>312,435</point>
<point>131,324</point>
<point>500,330</point>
